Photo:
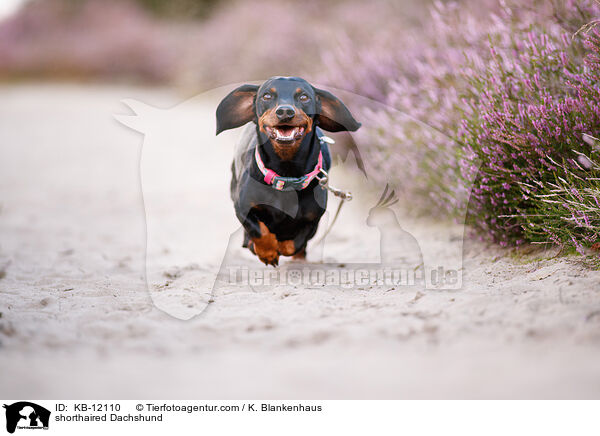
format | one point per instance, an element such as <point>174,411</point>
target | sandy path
<point>77,321</point>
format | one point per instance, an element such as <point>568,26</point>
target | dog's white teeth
<point>288,134</point>
<point>281,136</point>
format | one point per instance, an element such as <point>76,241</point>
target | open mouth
<point>284,133</point>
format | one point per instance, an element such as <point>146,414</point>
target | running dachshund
<point>274,184</point>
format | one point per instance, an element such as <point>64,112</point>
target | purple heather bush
<point>502,99</point>
<point>525,120</point>
<point>417,76</point>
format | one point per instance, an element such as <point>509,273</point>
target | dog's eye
<point>267,96</point>
<point>303,98</point>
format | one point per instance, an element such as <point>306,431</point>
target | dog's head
<point>286,110</point>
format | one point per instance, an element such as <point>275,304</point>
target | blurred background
<point>196,44</point>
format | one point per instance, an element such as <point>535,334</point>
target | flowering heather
<point>535,102</point>
<point>509,89</point>
<point>418,75</point>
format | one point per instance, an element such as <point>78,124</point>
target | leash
<point>343,195</point>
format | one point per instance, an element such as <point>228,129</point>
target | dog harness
<point>287,183</point>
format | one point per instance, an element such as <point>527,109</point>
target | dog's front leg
<point>263,243</point>
<point>265,246</point>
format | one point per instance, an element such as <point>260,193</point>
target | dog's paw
<point>274,261</point>
<point>270,257</point>
<point>266,247</point>
<point>286,248</point>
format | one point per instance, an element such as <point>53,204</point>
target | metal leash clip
<point>324,183</point>
<point>344,196</point>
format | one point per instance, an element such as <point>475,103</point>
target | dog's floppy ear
<point>237,108</point>
<point>332,114</point>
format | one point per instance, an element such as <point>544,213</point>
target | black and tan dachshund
<point>274,185</point>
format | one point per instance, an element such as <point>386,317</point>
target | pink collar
<point>287,183</point>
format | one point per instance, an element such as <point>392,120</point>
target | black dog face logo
<point>24,414</point>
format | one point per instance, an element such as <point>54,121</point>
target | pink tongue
<point>286,131</point>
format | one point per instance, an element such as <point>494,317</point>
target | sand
<point>78,319</point>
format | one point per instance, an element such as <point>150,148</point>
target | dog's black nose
<point>285,112</point>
